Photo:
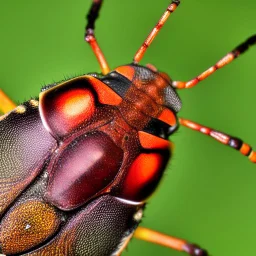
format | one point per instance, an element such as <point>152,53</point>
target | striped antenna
<point>140,53</point>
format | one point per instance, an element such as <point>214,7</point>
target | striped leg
<point>223,138</point>
<point>140,53</point>
<point>168,241</point>
<point>6,104</point>
<point>90,37</point>
<point>221,63</point>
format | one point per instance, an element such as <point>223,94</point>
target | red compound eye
<point>144,175</point>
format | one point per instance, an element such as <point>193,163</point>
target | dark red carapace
<point>97,135</point>
<point>78,165</point>
<point>105,147</point>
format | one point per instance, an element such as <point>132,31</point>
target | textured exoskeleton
<point>78,164</point>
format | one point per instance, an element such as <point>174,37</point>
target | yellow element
<point>6,104</point>
<point>159,238</point>
<point>20,109</point>
<point>26,226</point>
<point>34,103</point>
<point>138,215</point>
<point>2,118</point>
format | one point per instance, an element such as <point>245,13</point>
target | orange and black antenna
<point>221,137</point>
<point>140,53</point>
<point>221,63</point>
<point>90,37</point>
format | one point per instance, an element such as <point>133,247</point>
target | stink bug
<point>28,226</point>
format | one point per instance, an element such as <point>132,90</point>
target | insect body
<point>89,153</point>
<point>88,150</point>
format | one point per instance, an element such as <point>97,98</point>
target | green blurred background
<point>208,192</point>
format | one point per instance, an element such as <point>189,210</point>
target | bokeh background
<point>208,193</point>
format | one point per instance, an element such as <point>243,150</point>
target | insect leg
<point>221,63</point>
<point>90,37</point>
<point>140,53</point>
<point>168,241</point>
<point>6,104</point>
<point>223,138</point>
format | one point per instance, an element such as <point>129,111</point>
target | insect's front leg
<point>90,36</point>
<point>6,104</point>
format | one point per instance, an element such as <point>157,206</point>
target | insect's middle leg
<point>222,137</point>
<point>169,241</point>
<point>90,36</point>
<point>6,104</point>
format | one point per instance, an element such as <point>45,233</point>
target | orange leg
<point>223,138</point>
<point>221,63</point>
<point>6,104</point>
<point>140,53</point>
<point>90,37</point>
<point>168,241</point>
